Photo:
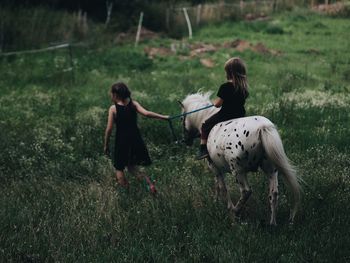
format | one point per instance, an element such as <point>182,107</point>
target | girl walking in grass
<point>231,98</point>
<point>130,149</point>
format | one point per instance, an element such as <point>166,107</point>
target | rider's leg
<point>206,127</point>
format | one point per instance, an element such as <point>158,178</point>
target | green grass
<point>58,195</point>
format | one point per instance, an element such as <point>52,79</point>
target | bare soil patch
<point>199,49</point>
<point>330,9</point>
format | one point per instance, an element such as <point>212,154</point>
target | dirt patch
<point>152,52</point>
<point>330,9</point>
<point>256,17</point>
<point>186,51</point>
<point>242,45</point>
<point>199,48</point>
<point>129,36</point>
<point>207,62</point>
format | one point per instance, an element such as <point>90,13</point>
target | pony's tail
<point>274,150</point>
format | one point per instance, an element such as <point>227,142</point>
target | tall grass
<point>32,28</point>
<point>58,194</point>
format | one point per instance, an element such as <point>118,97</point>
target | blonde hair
<point>236,71</point>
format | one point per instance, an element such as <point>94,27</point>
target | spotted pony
<point>239,146</point>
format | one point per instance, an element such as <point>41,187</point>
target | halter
<point>183,119</point>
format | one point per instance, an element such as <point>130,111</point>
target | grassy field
<point>59,200</point>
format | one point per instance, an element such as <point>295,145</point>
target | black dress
<point>231,108</point>
<point>130,149</point>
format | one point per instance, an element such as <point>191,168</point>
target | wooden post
<point>139,30</point>
<point>109,7</point>
<point>188,23</point>
<point>70,52</point>
<point>167,19</point>
<point>199,10</point>
<point>274,6</point>
<point>85,24</point>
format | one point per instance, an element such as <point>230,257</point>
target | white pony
<point>240,146</point>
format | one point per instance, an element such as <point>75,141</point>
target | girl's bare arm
<point>149,114</point>
<point>218,102</point>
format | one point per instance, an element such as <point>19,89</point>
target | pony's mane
<point>196,101</point>
<point>197,98</point>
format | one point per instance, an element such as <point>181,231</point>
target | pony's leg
<point>245,191</point>
<point>272,172</point>
<point>273,196</point>
<point>220,184</point>
<point>222,188</point>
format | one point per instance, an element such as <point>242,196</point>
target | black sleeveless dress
<point>130,149</point>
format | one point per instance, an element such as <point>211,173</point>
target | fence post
<point>71,61</point>
<point>274,5</point>
<point>188,23</point>
<point>109,7</point>
<point>139,30</point>
<point>199,10</point>
<point>167,19</point>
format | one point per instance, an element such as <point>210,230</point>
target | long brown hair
<point>236,71</point>
<point>121,90</point>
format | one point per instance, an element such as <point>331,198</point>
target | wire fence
<point>191,17</point>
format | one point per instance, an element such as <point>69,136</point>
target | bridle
<point>188,135</point>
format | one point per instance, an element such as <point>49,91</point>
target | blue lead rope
<point>190,112</point>
<point>181,115</point>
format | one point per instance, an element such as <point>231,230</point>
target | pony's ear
<point>182,106</point>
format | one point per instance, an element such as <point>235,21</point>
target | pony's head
<point>192,123</point>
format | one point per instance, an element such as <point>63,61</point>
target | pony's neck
<point>195,120</point>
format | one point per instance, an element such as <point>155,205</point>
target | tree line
<point>99,9</point>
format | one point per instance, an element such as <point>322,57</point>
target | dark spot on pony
<point>237,135</point>
<point>228,123</point>
<point>228,148</point>
<point>225,130</point>
<point>220,124</point>
<point>236,146</point>
<point>239,143</point>
<point>219,154</point>
<point>235,129</point>
<point>256,119</point>
<point>242,146</point>
<point>247,134</point>
<point>244,131</point>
